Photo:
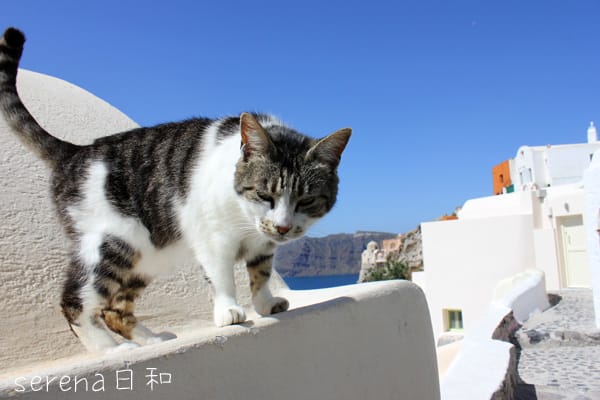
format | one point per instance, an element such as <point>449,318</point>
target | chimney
<point>592,134</point>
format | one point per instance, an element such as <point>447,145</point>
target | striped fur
<point>46,146</point>
<point>138,203</point>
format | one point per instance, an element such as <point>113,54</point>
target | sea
<point>319,282</point>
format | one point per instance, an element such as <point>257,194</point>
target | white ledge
<point>360,341</point>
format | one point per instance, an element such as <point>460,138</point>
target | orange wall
<point>501,176</point>
<point>389,245</point>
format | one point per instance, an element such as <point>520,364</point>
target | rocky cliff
<point>330,255</point>
<point>412,250</point>
<point>410,253</point>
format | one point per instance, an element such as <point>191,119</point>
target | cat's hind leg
<point>259,271</point>
<point>99,296</point>
<point>82,306</point>
<point>119,317</point>
<point>119,281</point>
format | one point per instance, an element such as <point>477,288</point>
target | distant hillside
<point>330,255</point>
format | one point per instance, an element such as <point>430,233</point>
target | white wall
<point>483,364</point>
<point>591,181</point>
<point>552,165</point>
<point>524,167</point>
<point>566,163</point>
<point>493,206</point>
<point>367,341</point>
<point>465,259</point>
<point>524,293</point>
<point>563,201</point>
<point>33,249</point>
<point>547,256</point>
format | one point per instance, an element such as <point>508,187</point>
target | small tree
<point>392,269</point>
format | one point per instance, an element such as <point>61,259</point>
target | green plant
<point>392,269</point>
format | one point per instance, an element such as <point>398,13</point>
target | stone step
<point>532,338</point>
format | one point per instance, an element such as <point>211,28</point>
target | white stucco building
<point>538,226</point>
<point>553,165</point>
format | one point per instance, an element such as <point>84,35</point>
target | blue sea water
<point>318,282</point>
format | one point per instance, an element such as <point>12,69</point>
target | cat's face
<point>286,181</point>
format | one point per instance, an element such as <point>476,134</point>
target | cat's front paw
<point>229,315</point>
<point>279,305</point>
<point>273,305</point>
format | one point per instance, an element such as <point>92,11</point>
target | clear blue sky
<point>437,92</point>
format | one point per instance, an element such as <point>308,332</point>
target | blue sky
<point>437,92</point>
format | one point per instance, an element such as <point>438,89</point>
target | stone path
<point>560,351</point>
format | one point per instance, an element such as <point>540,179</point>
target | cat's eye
<point>306,202</point>
<point>266,198</point>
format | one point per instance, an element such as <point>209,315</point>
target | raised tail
<point>36,138</point>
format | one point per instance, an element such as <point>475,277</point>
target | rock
<point>412,249</point>
<point>368,260</point>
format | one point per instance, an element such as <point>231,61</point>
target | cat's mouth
<point>278,237</point>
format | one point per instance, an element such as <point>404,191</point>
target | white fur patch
<point>96,218</point>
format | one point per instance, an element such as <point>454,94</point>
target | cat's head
<point>286,181</point>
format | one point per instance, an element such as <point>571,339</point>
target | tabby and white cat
<point>137,203</point>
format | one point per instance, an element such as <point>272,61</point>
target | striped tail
<point>36,138</point>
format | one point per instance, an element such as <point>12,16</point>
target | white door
<point>575,261</point>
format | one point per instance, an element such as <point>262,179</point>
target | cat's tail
<point>36,138</point>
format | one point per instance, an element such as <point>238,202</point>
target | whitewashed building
<point>538,226</point>
<point>553,165</point>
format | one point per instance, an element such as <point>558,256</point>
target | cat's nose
<point>283,229</point>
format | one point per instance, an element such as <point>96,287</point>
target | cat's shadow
<point>166,335</point>
<point>299,311</point>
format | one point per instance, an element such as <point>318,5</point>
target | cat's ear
<point>254,138</point>
<point>330,148</point>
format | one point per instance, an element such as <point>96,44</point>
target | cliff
<point>412,249</point>
<point>330,255</point>
<point>410,253</point>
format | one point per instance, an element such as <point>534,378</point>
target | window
<point>453,320</point>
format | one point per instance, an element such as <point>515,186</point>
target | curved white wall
<point>485,361</point>
<point>367,341</point>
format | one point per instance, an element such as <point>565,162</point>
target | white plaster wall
<point>465,259</point>
<point>546,256</point>
<point>591,219</point>
<point>524,293</point>
<point>493,206</point>
<point>482,363</point>
<point>33,248</point>
<point>480,366</point>
<point>367,341</point>
<point>566,163</point>
<point>543,207</point>
<point>564,201</point>
<point>524,160</point>
<point>418,278</point>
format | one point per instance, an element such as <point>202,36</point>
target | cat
<point>137,203</point>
